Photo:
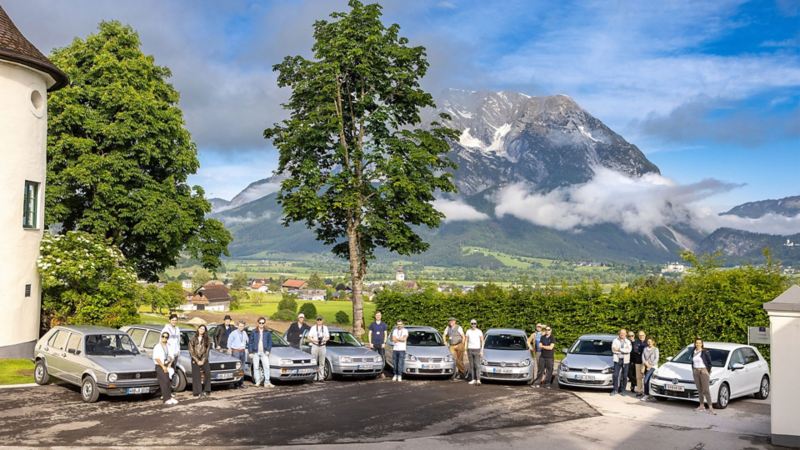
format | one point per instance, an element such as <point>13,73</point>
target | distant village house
<point>293,285</point>
<point>212,296</point>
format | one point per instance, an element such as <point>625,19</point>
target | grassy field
<point>16,371</point>
<point>519,262</point>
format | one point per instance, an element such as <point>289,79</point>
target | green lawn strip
<point>16,371</point>
<point>327,309</point>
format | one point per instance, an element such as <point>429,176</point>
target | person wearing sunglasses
<point>547,344</point>
<point>199,348</point>
<point>318,336</point>
<point>259,345</point>
<point>474,351</point>
<point>163,359</point>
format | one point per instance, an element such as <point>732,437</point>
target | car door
<point>737,379</point>
<point>137,336</point>
<point>753,370</point>
<point>74,361</point>
<point>389,351</point>
<point>57,352</point>
<point>151,339</point>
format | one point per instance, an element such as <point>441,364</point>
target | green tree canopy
<point>360,174</point>
<point>315,282</point>
<point>119,156</point>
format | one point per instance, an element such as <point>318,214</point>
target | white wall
<point>784,370</point>
<point>23,137</point>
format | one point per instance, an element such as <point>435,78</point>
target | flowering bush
<point>86,281</point>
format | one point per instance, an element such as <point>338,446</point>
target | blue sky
<point>705,89</point>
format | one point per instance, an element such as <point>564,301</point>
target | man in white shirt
<point>174,342</point>
<point>474,351</point>
<point>621,349</point>
<point>399,338</point>
<point>318,336</point>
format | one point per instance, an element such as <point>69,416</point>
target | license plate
<point>584,377</point>
<point>223,376</point>
<point>301,371</point>
<point>501,370</point>
<point>139,390</point>
<point>675,387</point>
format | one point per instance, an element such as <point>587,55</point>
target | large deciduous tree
<point>361,171</point>
<point>119,156</point>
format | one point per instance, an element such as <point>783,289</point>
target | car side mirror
<point>669,358</point>
<point>737,366</point>
<point>564,350</point>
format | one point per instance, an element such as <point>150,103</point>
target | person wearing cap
<point>533,345</point>
<point>454,335</point>
<point>296,331</point>
<point>399,338</point>
<point>223,331</point>
<point>474,338</point>
<point>259,345</point>
<point>163,359</point>
<point>174,332</point>
<point>237,347</point>
<point>377,338</point>
<point>547,344</point>
<point>318,336</point>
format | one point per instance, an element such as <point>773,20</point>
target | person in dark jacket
<point>636,362</point>
<point>701,370</point>
<point>260,345</point>
<point>296,331</point>
<point>631,365</point>
<point>222,332</point>
<point>199,348</point>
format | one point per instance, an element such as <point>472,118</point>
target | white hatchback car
<point>737,370</point>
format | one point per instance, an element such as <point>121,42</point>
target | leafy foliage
<point>119,156</point>
<point>315,282</point>
<point>169,297</point>
<point>309,310</point>
<point>239,281</point>
<point>200,278</point>
<point>359,173</point>
<point>342,317</point>
<point>85,280</point>
<point>284,314</point>
<point>288,301</point>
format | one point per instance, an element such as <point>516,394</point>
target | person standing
<point>701,369</point>
<point>637,350</point>
<point>296,331</point>
<point>650,358</point>
<point>533,345</point>
<point>377,338</point>
<point>399,338</point>
<point>547,345</point>
<point>237,347</point>
<point>631,366</point>
<point>163,359</point>
<point>455,337</point>
<point>319,336</point>
<point>174,342</point>
<point>260,345</point>
<point>621,349</point>
<point>474,338</point>
<point>222,332</point>
<point>199,348</point>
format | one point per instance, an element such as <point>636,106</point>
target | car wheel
<point>178,381</point>
<point>89,392</point>
<point>763,390</point>
<point>328,371</point>
<point>724,396</point>
<point>40,375</point>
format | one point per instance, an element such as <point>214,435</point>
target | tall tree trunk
<point>356,277</point>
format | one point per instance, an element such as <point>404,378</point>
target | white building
<point>673,268</point>
<point>399,275</point>
<point>26,76</point>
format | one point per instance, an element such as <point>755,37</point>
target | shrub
<point>284,314</point>
<point>342,318</point>
<point>309,310</point>
<point>288,301</point>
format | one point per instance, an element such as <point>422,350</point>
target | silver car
<point>285,361</point>
<point>224,369</point>
<point>426,353</point>
<point>346,356</point>
<point>506,355</point>
<point>589,362</point>
<point>100,360</point>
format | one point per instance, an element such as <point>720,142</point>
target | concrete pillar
<point>784,319</point>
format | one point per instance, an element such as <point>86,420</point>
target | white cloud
<point>455,210</point>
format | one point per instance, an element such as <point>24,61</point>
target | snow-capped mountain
<point>253,191</point>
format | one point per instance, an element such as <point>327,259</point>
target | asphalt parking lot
<point>338,412</point>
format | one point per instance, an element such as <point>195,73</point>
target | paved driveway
<point>334,412</point>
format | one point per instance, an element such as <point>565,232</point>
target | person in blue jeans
<point>237,347</point>
<point>621,349</point>
<point>399,337</point>
<point>259,346</point>
<point>650,360</point>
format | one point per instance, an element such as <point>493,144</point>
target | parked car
<point>589,362</point>
<point>347,356</point>
<point>224,368</point>
<point>285,361</point>
<point>426,353</point>
<point>737,370</point>
<point>100,360</point>
<point>506,355</point>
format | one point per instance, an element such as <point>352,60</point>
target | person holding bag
<point>199,348</point>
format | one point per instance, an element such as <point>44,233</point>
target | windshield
<point>591,347</point>
<point>424,338</point>
<point>506,342</point>
<point>110,345</point>
<point>718,357</point>
<point>343,339</point>
<point>278,340</point>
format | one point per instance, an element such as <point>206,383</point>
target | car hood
<point>219,357</point>
<point>683,371</point>
<point>351,351</point>
<point>439,351</point>
<point>595,362</point>
<point>289,353</point>
<point>129,363</point>
<point>506,355</point>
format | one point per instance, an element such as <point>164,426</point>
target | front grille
<point>688,393</point>
<point>573,369</point>
<point>671,380</point>
<point>503,364</point>
<point>296,375</point>
<point>431,371</point>
<point>587,382</point>
<point>430,360</point>
<point>223,366</point>
<point>509,376</point>
<point>301,361</point>
<point>136,375</point>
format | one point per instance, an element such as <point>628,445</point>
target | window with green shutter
<point>30,207</point>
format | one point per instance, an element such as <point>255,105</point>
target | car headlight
<point>345,359</point>
<point>378,359</point>
<point>238,365</point>
<point>286,362</point>
<point>712,381</point>
<point>607,370</point>
<point>448,358</point>
<point>484,363</point>
<point>525,363</point>
<point>410,357</point>
<point>563,367</point>
<point>112,377</point>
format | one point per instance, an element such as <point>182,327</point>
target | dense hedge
<point>716,305</point>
